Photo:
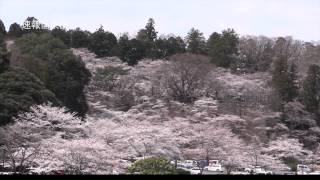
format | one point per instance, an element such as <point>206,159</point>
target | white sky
<point>298,18</point>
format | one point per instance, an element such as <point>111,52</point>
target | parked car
<point>314,173</point>
<point>189,164</point>
<point>258,170</point>
<point>248,170</point>
<point>195,171</point>
<point>240,171</point>
<point>270,173</point>
<point>214,168</point>
<point>288,173</point>
<point>214,162</point>
<point>114,172</point>
<point>6,173</point>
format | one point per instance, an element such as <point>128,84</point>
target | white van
<point>215,166</point>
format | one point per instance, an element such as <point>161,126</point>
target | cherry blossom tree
<point>284,148</point>
<point>17,153</point>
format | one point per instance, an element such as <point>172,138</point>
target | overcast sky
<point>298,18</point>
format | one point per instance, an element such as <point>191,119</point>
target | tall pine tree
<point>311,90</point>
<point>223,48</point>
<point>196,42</point>
<point>284,80</point>
<point>2,29</point>
<point>293,82</point>
<point>148,37</point>
<point>151,31</point>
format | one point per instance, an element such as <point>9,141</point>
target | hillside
<point>154,127</point>
<point>77,102</point>
<point>110,138</point>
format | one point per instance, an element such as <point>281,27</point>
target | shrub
<point>152,166</point>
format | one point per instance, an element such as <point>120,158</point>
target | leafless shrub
<point>124,94</point>
<point>15,152</point>
<point>75,163</point>
<point>106,79</point>
<point>184,78</point>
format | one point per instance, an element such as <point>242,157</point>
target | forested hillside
<point>77,102</point>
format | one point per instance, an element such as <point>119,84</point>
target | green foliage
<point>147,37</point>
<point>67,77</point>
<point>3,31</point>
<point>102,42</point>
<point>241,64</point>
<point>4,59</point>
<point>129,51</point>
<point>291,162</point>
<point>175,45</point>
<point>148,34</point>
<point>284,80</point>
<point>19,90</point>
<point>62,73</point>
<point>122,48</point>
<point>293,82</point>
<point>15,30</point>
<point>137,51</point>
<point>223,48</point>
<point>2,44</point>
<point>153,166</point>
<point>196,42</point>
<point>39,45</point>
<point>311,90</point>
<point>296,117</point>
<point>61,33</point>
<point>168,46</point>
<point>81,39</point>
<point>147,45</point>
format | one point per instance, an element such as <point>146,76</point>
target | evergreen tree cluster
<point>61,72</point>
<point>46,72</point>
<point>146,44</point>
<point>19,90</point>
<point>223,48</point>
<point>3,31</point>
<point>311,91</point>
<point>285,80</point>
